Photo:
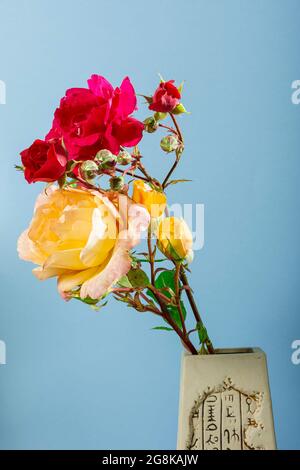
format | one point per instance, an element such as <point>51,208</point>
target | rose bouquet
<point>100,201</point>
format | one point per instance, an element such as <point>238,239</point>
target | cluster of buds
<point>105,162</point>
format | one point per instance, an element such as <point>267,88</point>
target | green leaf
<point>174,312</point>
<point>124,282</point>
<point>166,279</point>
<point>91,302</point>
<point>202,333</point>
<point>177,181</point>
<point>87,300</point>
<point>138,278</point>
<point>166,282</point>
<point>150,294</point>
<point>164,328</point>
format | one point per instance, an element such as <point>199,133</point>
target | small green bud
<point>103,155</point>
<point>116,183</point>
<point>151,124</point>
<point>105,159</point>
<point>124,157</point>
<point>160,116</point>
<point>169,143</point>
<point>89,169</point>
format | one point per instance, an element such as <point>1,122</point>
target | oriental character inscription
<point>226,418</point>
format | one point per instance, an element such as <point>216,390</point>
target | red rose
<point>44,161</point>
<point>97,118</point>
<point>165,98</point>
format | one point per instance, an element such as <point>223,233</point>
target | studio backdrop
<point>75,378</point>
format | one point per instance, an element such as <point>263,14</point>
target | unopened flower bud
<point>124,158</point>
<point>175,240</point>
<point>105,159</point>
<point>169,143</point>
<point>103,155</point>
<point>89,169</point>
<point>151,124</point>
<point>116,183</point>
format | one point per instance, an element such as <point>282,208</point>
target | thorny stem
<point>166,315</point>
<point>151,258</point>
<point>145,173</point>
<point>168,128</point>
<point>131,174</point>
<point>178,296</point>
<point>184,338</point>
<point>194,308</point>
<point>170,172</point>
<point>178,154</point>
<point>179,133</point>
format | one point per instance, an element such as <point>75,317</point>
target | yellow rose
<point>175,239</point>
<point>155,201</point>
<point>83,238</point>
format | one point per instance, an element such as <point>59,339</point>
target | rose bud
<point>89,169</point>
<point>124,158</point>
<point>154,200</point>
<point>116,183</point>
<point>169,143</point>
<point>175,239</point>
<point>44,161</point>
<point>103,155</point>
<point>151,124</point>
<point>105,159</point>
<point>165,98</point>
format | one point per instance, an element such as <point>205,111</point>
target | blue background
<point>79,379</point>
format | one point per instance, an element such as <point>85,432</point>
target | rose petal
<point>127,100</point>
<point>100,86</point>
<point>118,266</point>
<point>27,250</point>
<point>69,281</point>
